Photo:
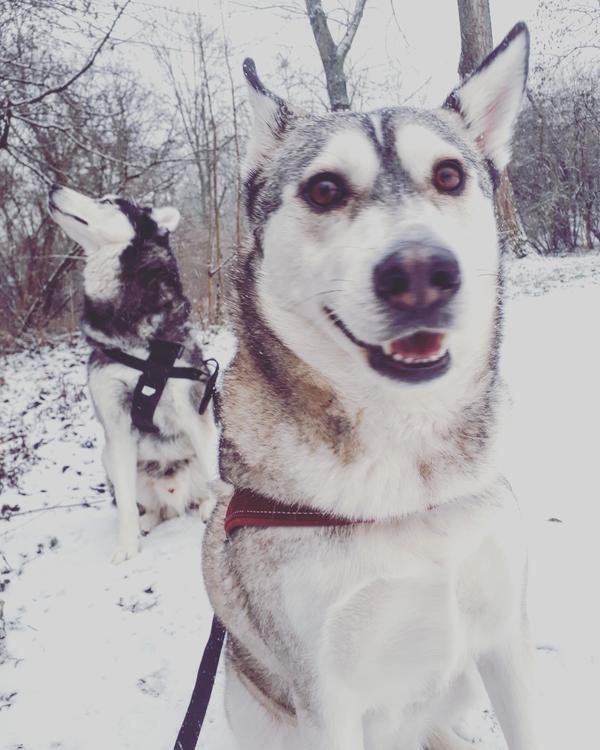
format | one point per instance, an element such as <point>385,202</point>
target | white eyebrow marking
<point>377,127</point>
<point>351,153</point>
<point>419,148</point>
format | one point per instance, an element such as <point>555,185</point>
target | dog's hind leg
<point>120,461</point>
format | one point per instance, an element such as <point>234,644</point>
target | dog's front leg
<point>120,462</point>
<point>507,673</point>
<point>342,719</point>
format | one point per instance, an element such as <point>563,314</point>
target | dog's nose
<point>417,278</point>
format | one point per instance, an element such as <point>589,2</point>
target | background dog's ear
<point>271,115</point>
<point>489,100</point>
<point>167,218</point>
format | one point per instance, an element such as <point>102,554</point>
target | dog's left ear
<point>271,116</point>
<point>489,100</point>
<point>166,218</point>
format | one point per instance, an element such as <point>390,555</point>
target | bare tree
<point>333,56</point>
<point>207,108</point>
<point>559,142</point>
<point>477,42</point>
<point>475,34</point>
<point>72,122</point>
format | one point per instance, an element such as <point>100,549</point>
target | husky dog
<point>132,295</point>
<point>365,386</point>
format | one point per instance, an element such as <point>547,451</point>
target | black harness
<point>156,370</point>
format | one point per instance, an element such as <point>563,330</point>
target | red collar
<point>249,508</point>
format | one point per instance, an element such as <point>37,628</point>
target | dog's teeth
<point>417,360</point>
<point>387,348</point>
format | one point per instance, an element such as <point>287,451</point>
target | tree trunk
<point>333,55</point>
<point>475,34</point>
<point>476,42</point>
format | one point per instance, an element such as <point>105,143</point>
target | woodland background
<point>77,109</point>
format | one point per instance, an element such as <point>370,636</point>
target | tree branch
<point>63,266</point>
<point>344,46</point>
<point>86,67</point>
<point>318,23</point>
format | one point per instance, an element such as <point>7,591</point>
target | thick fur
<point>132,293</point>
<point>371,637</point>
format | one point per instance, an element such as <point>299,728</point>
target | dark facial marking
<point>151,288</point>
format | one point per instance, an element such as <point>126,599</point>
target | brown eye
<point>324,191</point>
<point>448,176</point>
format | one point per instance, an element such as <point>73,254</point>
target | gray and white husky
<point>366,386</point>
<point>133,294</point>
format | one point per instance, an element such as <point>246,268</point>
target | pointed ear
<point>167,218</point>
<point>489,100</point>
<point>271,116</point>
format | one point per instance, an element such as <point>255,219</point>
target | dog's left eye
<point>325,191</point>
<point>448,176</point>
<point>106,200</point>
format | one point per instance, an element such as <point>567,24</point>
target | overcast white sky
<point>417,39</point>
<point>402,46</point>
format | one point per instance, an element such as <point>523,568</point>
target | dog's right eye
<point>106,200</point>
<point>325,191</point>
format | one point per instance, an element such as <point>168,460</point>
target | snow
<point>99,656</point>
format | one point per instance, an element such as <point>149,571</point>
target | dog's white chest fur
<point>398,613</point>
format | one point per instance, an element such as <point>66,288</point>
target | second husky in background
<point>133,296</point>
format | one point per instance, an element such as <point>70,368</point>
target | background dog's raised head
<point>132,289</point>
<point>108,221</point>
<point>374,235</point>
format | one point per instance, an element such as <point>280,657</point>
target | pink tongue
<point>420,344</point>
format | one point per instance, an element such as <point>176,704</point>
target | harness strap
<point>194,716</point>
<point>136,363</point>
<point>156,370</point>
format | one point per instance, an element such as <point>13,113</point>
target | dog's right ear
<point>271,116</point>
<point>489,100</point>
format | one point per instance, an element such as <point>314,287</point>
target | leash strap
<point>211,385</point>
<point>196,712</point>
<point>156,370</point>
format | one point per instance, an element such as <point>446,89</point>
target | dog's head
<point>109,222</point>
<point>374,235</point>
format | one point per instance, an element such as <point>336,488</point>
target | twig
<point>52,507</point>
<point>54,276</point>
<point>213,271</point>
<point>86,67</point>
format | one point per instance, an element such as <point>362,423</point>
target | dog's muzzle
<point>414,285</point>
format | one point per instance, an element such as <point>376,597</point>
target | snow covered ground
<point>99,656</point>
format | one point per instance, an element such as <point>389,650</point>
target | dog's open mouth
<point>53,207</point>
<point>421,355</point>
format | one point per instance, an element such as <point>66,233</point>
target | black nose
<point>417,277</point>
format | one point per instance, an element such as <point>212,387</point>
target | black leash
<point>194,716</point>
<point>156,370</point>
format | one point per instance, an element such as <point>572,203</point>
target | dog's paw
<point>125,551</point>
<point>148,521</point>
<point>222,491</point>
<point>206,508</point>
